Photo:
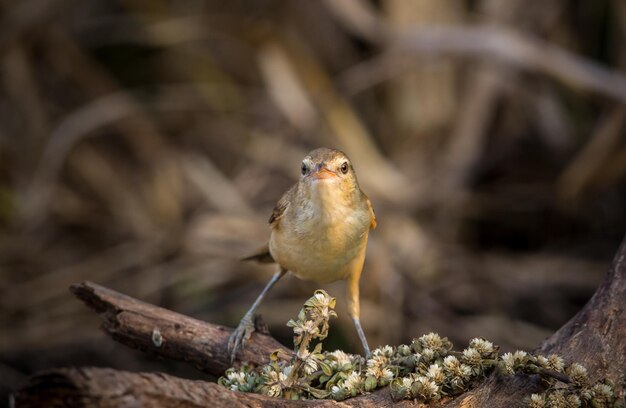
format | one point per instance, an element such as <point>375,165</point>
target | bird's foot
<point>240,336</point>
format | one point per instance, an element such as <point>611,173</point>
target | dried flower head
<point>436,374</point>
<point>451,363</point>
<point>431,340</point>
<point>508,363</point>
<point>602,393</point>
<point>536,401</point>
<point>275,380</point>
<point>472,356</point>
<point>243,379</point>
<point>424,389</point>
<point>556,363</point>
<point>434,342</point>
<point>520,357</point>
<point>302,329</point>
<point>310,360</point>
<point>404,350</point>
<point>384,351</point>
<point>543,362</point>
<point>338,393</point>
<point>400,387</point>
<point>577,373</point>
<point>320,306</point>
<point>511,362</point>
<point>428,355</point>
<point>353,384</point>
<point>482,346</point>
<point>573,401</point>
<point>556,399</point>
<point>339,360</point>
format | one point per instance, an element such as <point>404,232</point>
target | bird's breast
<point>318,242</point>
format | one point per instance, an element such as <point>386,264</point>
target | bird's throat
<point>329,200</point>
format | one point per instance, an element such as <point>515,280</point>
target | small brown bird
<point>319,232</point>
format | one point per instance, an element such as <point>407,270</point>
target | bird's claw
<point>240,336</point>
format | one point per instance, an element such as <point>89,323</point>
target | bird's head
<point>325,167</point>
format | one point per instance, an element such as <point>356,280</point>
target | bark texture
<point>169,334</point>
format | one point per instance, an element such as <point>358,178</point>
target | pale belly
<point>320,250</point>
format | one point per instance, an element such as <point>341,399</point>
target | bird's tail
<point>262,255</point>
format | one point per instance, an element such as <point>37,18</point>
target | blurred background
<point>144,143</point>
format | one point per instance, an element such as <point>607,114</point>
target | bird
<point>319,232</point>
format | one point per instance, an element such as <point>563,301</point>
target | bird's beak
<point>323,173</point>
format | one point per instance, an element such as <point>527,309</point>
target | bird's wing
<point>281,206</point>
<point>372,214</point>
<point>263,255</point>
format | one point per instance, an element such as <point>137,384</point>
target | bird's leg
<point>246,326</point>
<point>359,330</point>
<point>354,309</point>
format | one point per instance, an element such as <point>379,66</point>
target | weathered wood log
<point>595,337</point>
<point>102,387</point>
<point>107,388</point>
<point>169,334</point>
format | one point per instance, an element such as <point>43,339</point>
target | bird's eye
<point>303,169</point>
<point>344,167</point>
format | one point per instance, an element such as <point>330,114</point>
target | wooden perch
<point>107,388</point>
<point>595,337</point>
<point>169,334</point>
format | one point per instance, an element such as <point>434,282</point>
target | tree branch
<point>168,334</point>
<point>106,388</point>
<point>490,42</point>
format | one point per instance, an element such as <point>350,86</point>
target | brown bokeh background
<point>143,145</point>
